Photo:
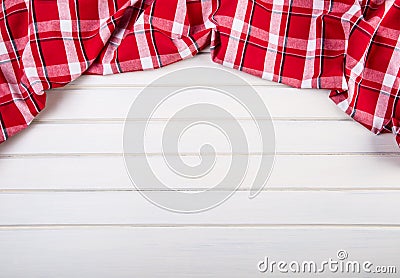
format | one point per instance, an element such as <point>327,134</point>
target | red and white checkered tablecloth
<point>349,46</point>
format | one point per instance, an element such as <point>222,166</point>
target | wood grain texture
<point>291,137</point>
<point>282,207</point>
<point>114,103</point>
<point>184,252</point>
<point>297,172</point>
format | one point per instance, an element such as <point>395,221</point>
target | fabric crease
<point>351,47</point>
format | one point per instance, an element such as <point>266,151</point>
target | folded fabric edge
<point>17,114</point>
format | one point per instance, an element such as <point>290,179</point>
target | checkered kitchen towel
<point>349,46</point>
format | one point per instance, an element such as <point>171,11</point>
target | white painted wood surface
<point>68,208</point>
<point>187,252</point>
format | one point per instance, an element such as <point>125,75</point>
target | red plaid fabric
<point>349,46</point>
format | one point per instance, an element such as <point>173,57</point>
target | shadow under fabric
<point>350,47</point>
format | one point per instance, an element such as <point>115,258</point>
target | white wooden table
<point>68,208</point>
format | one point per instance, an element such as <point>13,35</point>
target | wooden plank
<point>302,172</point>
<point>270,207</point>
<point>291,136</point>
<point>143,78</point>
<point>114,104</point>
<point>183,252</point>
<point>320,203</point>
